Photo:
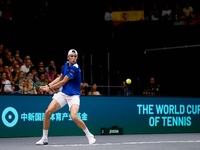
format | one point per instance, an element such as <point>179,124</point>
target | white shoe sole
<point>92,142</point>
<point>44,143</point>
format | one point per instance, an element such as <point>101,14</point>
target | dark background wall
<point>47,33</point>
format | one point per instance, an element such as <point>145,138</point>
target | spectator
<point>154,13</point>
<point>40,70</point>
<point>152,88</point>
<point>166,13</point>
<point>51,63</point>
<point>108,15</point>
<point>51,74</point>
<point>5,50</point>
<point>83,90</point>
<point>146,16</point>
<point>18,59</point>
<point>17,52</point>
<point>40,64</point>
<point>93,90</point>
<point>33,70</point>
<point>41,81</point>
<point>125,90</point>
<point>8,59</point>
<point>13,65</point>
<point>20,75</point>
<point>27,57</point>
<point>8,88</point>
<point>108,24</point>
<point>1,64</point>
<point>15,73</point>
<point>26,67</point>
<point>188,12</point>
<point>8,73</point>
<point>178,13</point>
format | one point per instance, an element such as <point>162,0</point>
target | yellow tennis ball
<point>128,81</point>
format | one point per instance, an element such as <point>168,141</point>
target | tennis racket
<point>26,84</point>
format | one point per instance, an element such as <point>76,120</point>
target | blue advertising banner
<point>22,115</point>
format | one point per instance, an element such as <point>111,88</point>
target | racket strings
<point>25,84</point>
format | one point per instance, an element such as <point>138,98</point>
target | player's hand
<point>43,88</point>
<point>47,89</point>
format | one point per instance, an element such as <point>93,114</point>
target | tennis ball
<point>128,81</point>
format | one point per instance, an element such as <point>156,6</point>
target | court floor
<point>189,141</point>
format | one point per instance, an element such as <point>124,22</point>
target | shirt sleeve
<point>72,72</point>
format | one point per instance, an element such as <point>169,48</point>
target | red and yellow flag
<point>124,16</point>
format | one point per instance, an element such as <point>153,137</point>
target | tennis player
<point>70,79</point>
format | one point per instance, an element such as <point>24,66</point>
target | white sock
<point>45,133</point>
<point>87,132</point>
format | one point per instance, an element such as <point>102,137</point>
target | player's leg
<point>73,112</point>
<point>53,107</point>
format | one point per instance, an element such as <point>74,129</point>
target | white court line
<point>123,143</point>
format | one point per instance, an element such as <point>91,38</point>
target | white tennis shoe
<point>91,139</point>
<point>43,141</point>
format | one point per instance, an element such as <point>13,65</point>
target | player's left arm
<point>58,84</point>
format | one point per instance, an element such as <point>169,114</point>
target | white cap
<point>72,51</point>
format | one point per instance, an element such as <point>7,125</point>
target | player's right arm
<point>59,84</point>
<point>58,79</point>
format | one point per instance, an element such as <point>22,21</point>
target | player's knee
<point>48,113</point>
<point>74,117</point>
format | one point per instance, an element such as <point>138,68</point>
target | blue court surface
<point>189,141</point>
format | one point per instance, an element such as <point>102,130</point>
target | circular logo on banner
<point>10,117</point>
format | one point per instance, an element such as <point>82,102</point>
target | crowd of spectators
<point>13,67</point>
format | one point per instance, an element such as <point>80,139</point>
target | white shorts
<point>64,99</point>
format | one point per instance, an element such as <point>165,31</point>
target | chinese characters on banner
<point>37,116</point>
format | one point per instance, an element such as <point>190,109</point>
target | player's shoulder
<point>75,66</point>
<point>67,62</point>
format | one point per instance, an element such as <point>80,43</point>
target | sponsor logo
<point>10,117</point>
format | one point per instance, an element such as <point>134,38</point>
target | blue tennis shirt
<point>73,86</point>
